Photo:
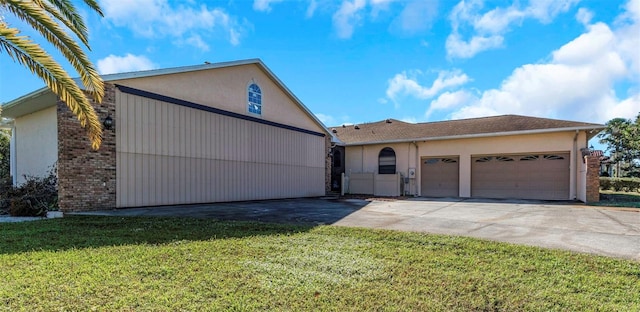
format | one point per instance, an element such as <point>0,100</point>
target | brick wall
<point>86,178</point>
<point>327,165</point>
<point>593,178</point>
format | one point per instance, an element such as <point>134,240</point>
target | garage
<point>440,177</point>
<point>526,176</point>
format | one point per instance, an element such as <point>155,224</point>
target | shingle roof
<point>392,130</point>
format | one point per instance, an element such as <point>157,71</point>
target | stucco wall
<point>36,149</point>
<point>226,88</point>
<point>365,158</point>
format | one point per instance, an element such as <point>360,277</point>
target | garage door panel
<point>529,176</point>
<point>440,177</point>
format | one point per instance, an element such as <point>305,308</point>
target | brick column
<point>86,178</point>
<point>327,165</point>
<point>593,178</point>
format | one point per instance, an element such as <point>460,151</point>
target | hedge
<point>620,184</point>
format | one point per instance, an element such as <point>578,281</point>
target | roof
<point>392,130</point>
<point>43,97</point>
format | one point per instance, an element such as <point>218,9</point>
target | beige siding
<point>36,140</point>
<point>170,154</point>
<point>226,88</point>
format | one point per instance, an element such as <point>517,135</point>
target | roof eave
<point>593,130</point>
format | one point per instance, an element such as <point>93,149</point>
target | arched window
<point>254,99</point>
<point>387,161</point>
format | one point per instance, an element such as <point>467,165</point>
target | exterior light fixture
<point>108,122</point>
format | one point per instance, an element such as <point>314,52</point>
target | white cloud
<point>449,100</point>
<point>584,16</point>
<point>264,5</point>
<point>416,16</point>
<point>348,17</point>
<point>311,9</point>
<point>197,42</point>
<point>327,120</point>
<point>121,64</point>
<point>409,119</point>
<point>488,29</point>
<point>457,47</point>
<point>159,19</point>
<point>407,84</point>
<point>578,83</point>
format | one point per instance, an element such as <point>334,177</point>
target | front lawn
<point>618,199</point>
<point>84,263</point>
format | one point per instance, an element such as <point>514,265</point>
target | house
<point>506,156</point>
<point>207,133</point>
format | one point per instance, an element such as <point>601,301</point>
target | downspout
<point>575,159</point>
<point>362,159</point>
<point>13,158</point>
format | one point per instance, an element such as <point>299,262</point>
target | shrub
<point>620,184</point>
<point>34,197</point>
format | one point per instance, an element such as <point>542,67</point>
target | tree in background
<point>50,18</point>
<point>622,137</point>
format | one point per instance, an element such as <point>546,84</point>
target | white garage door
<point>439,177</point>
<point>528,176</point>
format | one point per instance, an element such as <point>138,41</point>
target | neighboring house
<point>207,133</point>
<point>506,156</point>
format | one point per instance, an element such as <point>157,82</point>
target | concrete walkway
<point>570,226</point>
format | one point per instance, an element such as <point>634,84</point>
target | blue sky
<point>356,61</point>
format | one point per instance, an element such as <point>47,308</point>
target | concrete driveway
<point>604,231</point>
<point>570,226</point>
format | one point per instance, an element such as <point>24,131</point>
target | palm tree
<point>46,16</point>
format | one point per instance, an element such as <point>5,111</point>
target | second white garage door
<point>528,176</point>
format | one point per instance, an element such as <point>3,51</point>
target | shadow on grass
<point>162,225</point>
<point>77,232</point>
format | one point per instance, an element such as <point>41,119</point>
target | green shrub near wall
<point>620,184</point>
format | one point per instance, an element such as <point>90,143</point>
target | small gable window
<point>387,161</point>
<point>254,99</point>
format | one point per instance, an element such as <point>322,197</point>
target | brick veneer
<point>593,178</point>
<point>86,178</point>
<point>327,165</point>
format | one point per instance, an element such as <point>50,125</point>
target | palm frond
<point>64,11</point>
<point>38,18</point>
<point>39,62</point>
<point>92,4</point>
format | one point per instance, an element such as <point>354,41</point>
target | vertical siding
<point>170,154</point>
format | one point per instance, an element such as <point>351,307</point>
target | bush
<point>34,197</point>
<point>620,184</point>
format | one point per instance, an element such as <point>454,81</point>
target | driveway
<point>571,226</point>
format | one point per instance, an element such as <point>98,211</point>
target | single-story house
<point>506,156</point>
<point>206,133</point>
<point>233,131</point>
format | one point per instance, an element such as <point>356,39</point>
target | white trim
<point>478,135</point>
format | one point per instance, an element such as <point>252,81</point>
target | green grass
<point>618,199</point>
<point>84,263</point>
